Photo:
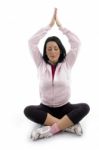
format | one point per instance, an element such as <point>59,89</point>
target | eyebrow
<point>51,47</point>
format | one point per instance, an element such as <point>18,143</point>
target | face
<point>52,52</point>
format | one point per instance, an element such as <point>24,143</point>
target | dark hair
<point>60,45</point>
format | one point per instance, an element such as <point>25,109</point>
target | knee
<point>27,111</point>
<point>85,108</point>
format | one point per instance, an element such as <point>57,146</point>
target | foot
<point>43,132</point>
<point>77,129</point>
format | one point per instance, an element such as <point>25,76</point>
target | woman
<point>55,112</point>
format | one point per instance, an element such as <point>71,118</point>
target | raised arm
<point>74,43</point>
<point>33,45</point>
<point>34,41</point>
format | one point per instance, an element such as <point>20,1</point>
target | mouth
<point>52,56</point>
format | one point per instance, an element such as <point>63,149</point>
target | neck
<point>52,63</point>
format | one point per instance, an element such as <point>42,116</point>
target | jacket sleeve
<point>74,46</point>
<point>33,45</point>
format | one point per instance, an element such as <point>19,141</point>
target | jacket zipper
<point>52,90</point>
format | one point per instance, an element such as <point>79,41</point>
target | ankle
<point>55,129</point>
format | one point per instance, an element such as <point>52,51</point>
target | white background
<point>19,20</point>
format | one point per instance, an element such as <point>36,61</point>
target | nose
<point>53,50</point>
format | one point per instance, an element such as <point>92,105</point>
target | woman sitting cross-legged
<point>55,113</point>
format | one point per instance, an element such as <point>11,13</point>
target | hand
<point>53,18</point>
<point>57,20</point>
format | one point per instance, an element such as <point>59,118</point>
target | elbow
<point>78,44</point>
<point>29,42</point>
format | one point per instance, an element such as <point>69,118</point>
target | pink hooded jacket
<point>54,92</point>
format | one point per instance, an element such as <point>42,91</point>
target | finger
<point>55,12</point>
<point>55,9</point>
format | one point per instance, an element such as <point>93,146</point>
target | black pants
<point>75,112</point>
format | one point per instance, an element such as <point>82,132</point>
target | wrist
<point>51,24</point>
<point>49,27</point>
<point>59,25</point>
